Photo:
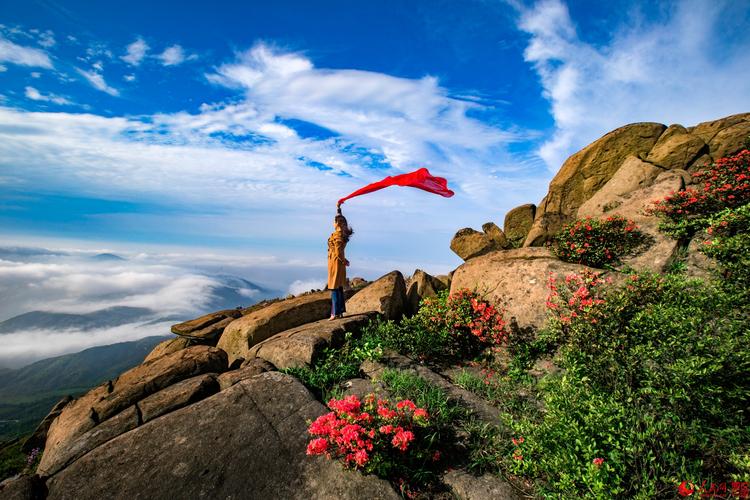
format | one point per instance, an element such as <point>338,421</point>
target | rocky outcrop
<point>22,488</point>
<point>208,327</point>
<point>245,442</point>
<point>518,223</point>
<point>634,174</point>
<point>468,243</point>
<point>422,286</point>
<point>86,421</point>
<point>496,234</point>
<point>168,347</point>
<point>724,136</point>
<point>677,148</point>
<point>243,333</point>
<point>178,395</point>
<point>304,345</point>
<point>386,296</point>
<point>585,172</point>
<point>659,249</point>
<point>248,369</point>
<point>515,281</point>
<point>39,437</point>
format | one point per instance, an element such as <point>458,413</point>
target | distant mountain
<point>237,292</point>
<point>27,394</point>
<point>107,257</point>
<point>103,318</point>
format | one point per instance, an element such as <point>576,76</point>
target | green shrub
<point>337,365</point>
<point>12,460</point>
<point>655,388</point>
<point>447,327</point>
<point>595,242</point>
<point>729,244</point>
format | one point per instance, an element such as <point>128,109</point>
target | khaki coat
<point>336,260</point>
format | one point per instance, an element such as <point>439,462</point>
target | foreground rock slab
<point>245,442</point>
<point>100,404</point>
<point>485,487</point>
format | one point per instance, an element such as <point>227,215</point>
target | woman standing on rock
<point>337,263</point>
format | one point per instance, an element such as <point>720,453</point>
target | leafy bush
<point>725,184</point>
<point>655,391</point>
<point>446,327</point>
<point>730,246</point>
<point>595,242</point>
<point>338,365</point>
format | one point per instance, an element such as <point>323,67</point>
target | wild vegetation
<point>648,390</point>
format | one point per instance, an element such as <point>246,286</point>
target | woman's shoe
<point>331,318</point>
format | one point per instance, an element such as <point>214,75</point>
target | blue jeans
<point>337,301</point>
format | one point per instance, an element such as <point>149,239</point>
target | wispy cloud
<point>97,81</point>
<point>13,53</point>
<point>35,95</point>
<point>678,69</point>
<point>136,51</point>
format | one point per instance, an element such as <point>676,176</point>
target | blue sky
<point>232,129</point>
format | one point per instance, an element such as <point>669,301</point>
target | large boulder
<point>103,402</point>
<point>243,333</point>
<point>585,172</point>
<point>423,286</point>
<point>208,327</point>
<point>518,223</point>
<point>514,281</point>
<point>660,249</point>
<point>724,136</point>
<point>468,243</point>
<point>177,396</point>
<point>168,347</point>
<point>677,148</point>
<point>634,174</point>
<point>496,234</point>
<point>247,441</point>
<point>304,345</point>
<point>386,295</point>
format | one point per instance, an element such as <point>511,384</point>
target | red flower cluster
<point>577,298</point>
<point>356,433</point>
<point>596,242</point>
<point>469,319</point>
<point>725,184</point>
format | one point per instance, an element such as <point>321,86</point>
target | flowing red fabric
<point>420,179</point>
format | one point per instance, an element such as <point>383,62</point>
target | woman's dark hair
<point>345,229</point>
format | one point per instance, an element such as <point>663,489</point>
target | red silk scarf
<point>420,179</point>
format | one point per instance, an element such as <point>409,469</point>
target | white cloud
<point>3,69</point>
<point>243,164</point>
<point>129,78</point>
<point>666,71</point>
<point>24,56</point>
<point>36,74</point>
<point>301,286</point>
<point>97,81</point>
<point>172,56</point>
<point>136,51</point>
<point>35,95</point>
